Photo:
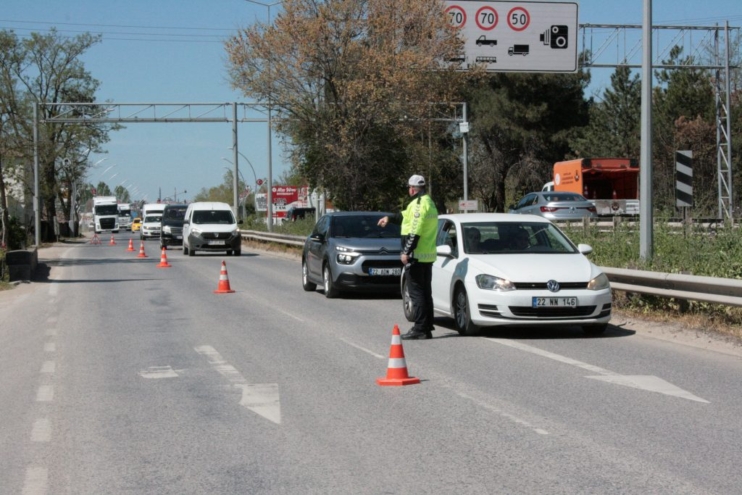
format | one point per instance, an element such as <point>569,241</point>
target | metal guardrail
<point>680,286</point>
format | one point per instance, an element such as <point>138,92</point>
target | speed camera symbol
<point>556,36</point>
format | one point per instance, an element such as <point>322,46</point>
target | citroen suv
<point>348,251</point>
<point>172,225</point>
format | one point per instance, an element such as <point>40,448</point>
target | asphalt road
<point>117,376</point>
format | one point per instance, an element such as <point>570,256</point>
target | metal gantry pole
<point>645,174</point>
<point>729,125</point>
<point>235,181</point>
<point>36,197</point>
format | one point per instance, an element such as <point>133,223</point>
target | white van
<point>211,226</point>
<point>151,220</point>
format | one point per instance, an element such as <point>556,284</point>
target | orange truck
<point>612,184</point>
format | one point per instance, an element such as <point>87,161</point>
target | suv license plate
<point>385,271</point>
<point>552,302</point>
<point>216,243</point>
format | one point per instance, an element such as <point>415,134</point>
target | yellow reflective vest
<point>419,228</point>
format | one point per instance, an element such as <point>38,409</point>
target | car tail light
<point>548,209</point>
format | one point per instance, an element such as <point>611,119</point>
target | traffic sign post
<point>516,36</point>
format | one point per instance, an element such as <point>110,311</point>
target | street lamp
<point>255,176</point>
<point>270,130</point>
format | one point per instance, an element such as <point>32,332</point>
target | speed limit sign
<point>515,37</point>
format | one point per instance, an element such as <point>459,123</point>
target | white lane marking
<point>642,382</point>
<point>42,430</point>
<point>652,384</point>
<point>50,347</point>
<point>36,481</point>
<point>51,332</point>
<point>45,393</point>
<point>262,399</point>
<point>155,372</point>
<point>502,413</point>
<point>49,367</point>
<point>363,349</point>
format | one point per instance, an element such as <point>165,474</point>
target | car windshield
<point>362,227</point>
<point>174,214</point>
<point>106,210</point>
<point>223,217</point>
<point>514,238</point>
<point>152,218</point>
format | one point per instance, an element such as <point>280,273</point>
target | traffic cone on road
<point>396,373</point>
<point>141,251</point>
<point>112,242</point>
<point>95,239</point>
<point>131,245</point>
<point>163,260</point>
<point>224,287</point>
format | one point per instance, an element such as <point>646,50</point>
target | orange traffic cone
<point>95,239</point>
<point>141,251</point>
<point>223,281</point>
<point>113,242</point>
<point>131,245</point>
<point>163,260</point>
<point>396,373</point>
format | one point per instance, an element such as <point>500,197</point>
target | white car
<point>522,270</point>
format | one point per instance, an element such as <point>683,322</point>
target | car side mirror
<point>444,250</point>
<point>318,238</point>
<point>584,249</point>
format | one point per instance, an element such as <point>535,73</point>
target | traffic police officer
<point>419,226</point>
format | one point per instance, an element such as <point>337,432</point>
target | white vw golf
<point>496,269</point>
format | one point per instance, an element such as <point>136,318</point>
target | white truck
<point>124,216</point>
<point>105,214</point>
<point>151,220</point>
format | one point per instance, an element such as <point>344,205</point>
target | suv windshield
<point>174,216</point>
<point>362,226</point>
<point>223,217</point>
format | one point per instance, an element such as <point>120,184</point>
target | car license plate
<point>554,302</point>
<point>215,243</point>
<point>385,271</point>
<point>178,236</point>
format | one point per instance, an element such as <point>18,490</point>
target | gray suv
<point>347,250</point>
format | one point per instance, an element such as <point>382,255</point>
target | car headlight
<point>196,231</point>
<point>490,282</point>
<point>346,256</point>
<point>235,232</point>
<point>599,283</point>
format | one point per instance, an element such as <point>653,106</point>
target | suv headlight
<point>599,283</point>
<point>490,282</point>
<point>346,256</point>
<point>196,230</point>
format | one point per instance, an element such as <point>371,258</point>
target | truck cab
<point>105,214</point>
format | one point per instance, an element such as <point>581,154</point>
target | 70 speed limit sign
<point>516,36</point>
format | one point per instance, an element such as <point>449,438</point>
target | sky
<point>171,51</point>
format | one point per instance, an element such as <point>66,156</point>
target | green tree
<point>614,128</point>
<point>520,125</point>
<point>684,118</point>
<point>102,189</point>
<point>224,192</point>
<point>122,194</point>
<point>47,68</point>
<point>354,92</point>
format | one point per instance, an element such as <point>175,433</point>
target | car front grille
<point>176,230</point>
<point>216,235</point>
<point>542,285</point>
<point>563,312</point>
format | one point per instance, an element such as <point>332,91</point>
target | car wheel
<point>238,252</point>
<point>462,314</point>
<point>595,329</point>
<point>185,249</point>
<point>407,307</point>
<point>229,252</point>
<point>191,251</point>
<point>305,283</point>
<point>330,290</point>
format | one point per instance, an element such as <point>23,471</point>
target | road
<point>120,377</point>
